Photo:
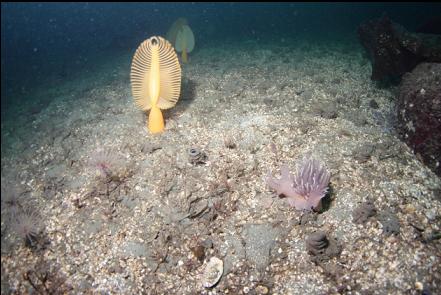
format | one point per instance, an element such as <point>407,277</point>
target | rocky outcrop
<point>419,113</point>
<point>394,51</point>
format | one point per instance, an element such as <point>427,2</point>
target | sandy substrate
<point>248,108</point>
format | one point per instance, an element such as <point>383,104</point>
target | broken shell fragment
<point>213,272</point>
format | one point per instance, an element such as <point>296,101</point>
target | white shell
<point>213,272</point>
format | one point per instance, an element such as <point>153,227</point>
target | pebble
<point>409,209</point>
<point>431,214</point>
<point>199,252</point>
<point>262,290</point>
<point>419,286</point>
<point>363,212</point>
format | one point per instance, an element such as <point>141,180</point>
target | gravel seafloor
<point>249,108</point>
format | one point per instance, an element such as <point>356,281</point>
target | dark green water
<point>42,41</point>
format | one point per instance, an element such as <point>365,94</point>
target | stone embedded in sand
<point>199,252</point>
<point>362,213</point>
<point>261,290</point>
<point>327,110</point>
<point>390,222</point>
<point>363,152</point>
<point>259,239</point>
<point>135,249</point>
<point>213,272</point>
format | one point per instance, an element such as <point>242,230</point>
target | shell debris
<point>213,272</point>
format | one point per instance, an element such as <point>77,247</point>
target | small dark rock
<point>386,149</point>
<point>299,91</point>
<point>307,94</point>
<point>268,101</point>
<point>149,148</point>
<point>333,92</point>
<point>336,80</point>
<point>264,86</point>
<point>308,217</point>
<point>310,71</point>
<point>363,153</point>
<point>115,268</point>
<point>199,252</point>
<point>319,79</point>
<point>129,202</point>
<point>373,104</point>
<point>430,235</point>
<point>84,285</point>
<point>327,110</point>
<point>359,119</point>
<point>362,213</point>
<point>207,243</point>
<point>390,222</point>
<point>306,126</point>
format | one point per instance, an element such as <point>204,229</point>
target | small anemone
<point>104,161</point>
<point>305,189</point>
<point>27,225</point>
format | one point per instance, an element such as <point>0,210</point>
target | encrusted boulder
<point>419,113</point>
<point>393,50</point>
